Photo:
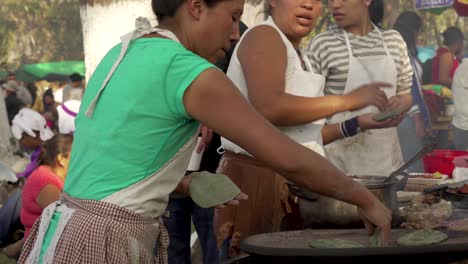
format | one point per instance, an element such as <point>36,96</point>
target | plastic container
<point>441,160</point>
<point>460,173</point>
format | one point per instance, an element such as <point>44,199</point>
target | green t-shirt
<point>139,122</point>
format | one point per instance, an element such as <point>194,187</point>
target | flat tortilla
<point>422,237</point>
<point>374,240</point>
<point>209,190</point>
<point>335,243</point>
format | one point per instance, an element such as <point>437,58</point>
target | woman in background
<point>445,62</point>
<point>413,130</point>
<point>354,51</point>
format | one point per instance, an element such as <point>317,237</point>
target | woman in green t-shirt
<point>137,128</point>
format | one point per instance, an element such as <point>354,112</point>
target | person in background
<point>74,90</point>
<point>354,51</point>
<point>414,128</point>
<point>183,210</point>
<point>31,129</point>
<point>270,71</point>
<point>32,88</point>
<point>44,185</point>
<point>66,116</point>
<point>460,100</point>
<point>445,62</point>
<point>50,110</point>
<point>12,103</point>
<point>22,92</point>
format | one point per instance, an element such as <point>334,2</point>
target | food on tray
<point>463,189</point>
<point>423,215</point>
<point>374,240</point>
<point>383,116</point>
<point>335,243</point>
<point>422,237</point>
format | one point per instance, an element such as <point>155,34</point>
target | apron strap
<point>142,27</point>
<point>383,40</point>
<point>348,43</point>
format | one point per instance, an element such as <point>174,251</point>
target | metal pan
<point>293,247</point>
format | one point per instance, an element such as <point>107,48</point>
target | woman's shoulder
<point>332,34</point>
<point>42,175</point>
<point>392,35</point>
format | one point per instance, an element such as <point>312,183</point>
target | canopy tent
<point>54,71</point>
<point>49,71</point>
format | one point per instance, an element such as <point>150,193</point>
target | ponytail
<point>376,12</point>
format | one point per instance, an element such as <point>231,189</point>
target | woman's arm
<point>445,66</point>
<point>49,194</point>
<point>333,132</point>
<point>263,58</point>
<point>214,100</point>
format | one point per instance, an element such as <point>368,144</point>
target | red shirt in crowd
<point>30,210</point>
<point>436,65</point>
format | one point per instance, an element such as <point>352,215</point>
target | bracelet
<point>350,127</point>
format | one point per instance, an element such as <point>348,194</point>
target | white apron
<point>374,152</point>
<point>298,82</point>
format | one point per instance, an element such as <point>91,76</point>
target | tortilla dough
<point>209,190</point>
<point>374,240</point>
<point>422,237</point>
<point>335,243</point>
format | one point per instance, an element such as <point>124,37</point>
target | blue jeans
<point>410,143</point>
<point>182,211</point>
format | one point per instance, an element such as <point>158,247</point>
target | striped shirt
<point>329,56</point>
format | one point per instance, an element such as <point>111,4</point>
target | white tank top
<point>298,82</point>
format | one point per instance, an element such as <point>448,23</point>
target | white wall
<point>104,25</point>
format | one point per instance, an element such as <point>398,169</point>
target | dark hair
<point>452,35</point>
<point>408,24</point>
<point>376,12</point>
<point>59,144</point>
<point>76,77</point>
<point>167,8</point>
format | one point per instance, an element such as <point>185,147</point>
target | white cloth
<point>460,96</point>
<point>27,121</point>
<point>374,152</point>
<point>66,121</point>
<point>298,82</point>
<point>58,95</point>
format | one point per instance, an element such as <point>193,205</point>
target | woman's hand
<point>421,130</point>
<point>367,122</point>
<point>206,136</point>
<point>369,94</point>
<point>400,102</point>
<point>377,215</point>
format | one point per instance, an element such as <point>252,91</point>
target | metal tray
<point>293,246</point>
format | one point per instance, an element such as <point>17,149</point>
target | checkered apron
<point>92,231</point>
